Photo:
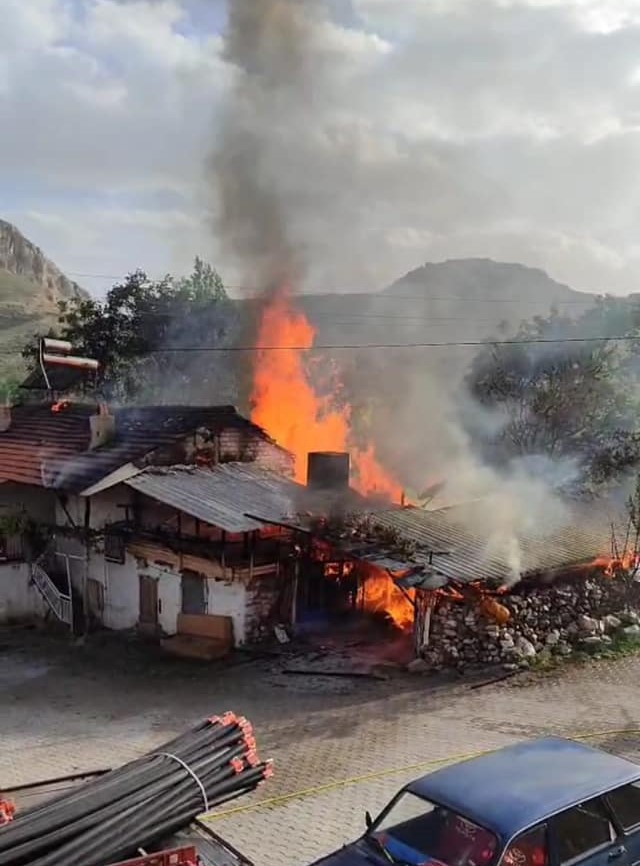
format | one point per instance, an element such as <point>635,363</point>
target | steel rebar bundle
<point>113,816</point>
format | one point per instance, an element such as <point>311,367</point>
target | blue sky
<point>439,128</point>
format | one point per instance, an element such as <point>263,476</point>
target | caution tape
<point>282,799</point>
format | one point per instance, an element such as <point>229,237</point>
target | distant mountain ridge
<point>484,278</point>
<point>31,286</point>
<point>42,282</point>
<point>453,301</point>
<point>459,300</point>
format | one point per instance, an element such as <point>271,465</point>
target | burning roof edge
<point>427,534</point>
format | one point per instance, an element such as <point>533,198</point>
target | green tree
<point>136,333</point>
<point>552,392</point>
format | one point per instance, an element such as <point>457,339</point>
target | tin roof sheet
<point>464,552</point>
<point>224,495</point>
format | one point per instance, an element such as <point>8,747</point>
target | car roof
<point>516,787</point>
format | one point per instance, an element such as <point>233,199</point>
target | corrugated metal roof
<point>225,494</point>
<point>580,535</point>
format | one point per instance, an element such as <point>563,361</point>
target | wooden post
<point>87,549</point>
<point>294,599</point>
<point>422,623</point>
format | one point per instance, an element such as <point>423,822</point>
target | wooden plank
<point>206,625</point>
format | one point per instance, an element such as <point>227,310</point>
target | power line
<point>426,345</point>
<point>367,293</point>
<point>429,345</point>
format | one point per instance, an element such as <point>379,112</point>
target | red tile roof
<point>37,435</point>
<point>50,449</point>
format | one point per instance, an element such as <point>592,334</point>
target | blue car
<point>548,802</point>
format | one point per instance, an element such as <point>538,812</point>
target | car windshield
<point>415,831</point>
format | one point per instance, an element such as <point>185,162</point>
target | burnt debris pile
<point>140,803</point>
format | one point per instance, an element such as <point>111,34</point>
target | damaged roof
<point>459,544</point>
<point>51,449</point>
<point>237,497</point>
<point>38,436</point>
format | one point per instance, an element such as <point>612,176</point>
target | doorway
<point>148,616</point>
<point>194,594</point>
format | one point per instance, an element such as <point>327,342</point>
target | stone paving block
<point>66,709</point>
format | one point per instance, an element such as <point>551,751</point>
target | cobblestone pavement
<point>340,746</point>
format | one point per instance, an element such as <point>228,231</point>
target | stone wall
<point>558,619</point>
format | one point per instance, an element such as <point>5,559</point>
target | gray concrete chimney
<point>103,427</point>
<point>5,418</point>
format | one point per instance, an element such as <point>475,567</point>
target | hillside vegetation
<point>462,300</point>
<point>31,287</point>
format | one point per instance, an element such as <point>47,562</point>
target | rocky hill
<point>31,287</point>
<point>28,277</point>
<point>461,299</point>
<point>453,301</point>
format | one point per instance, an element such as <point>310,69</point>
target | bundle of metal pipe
<point>115,815</point>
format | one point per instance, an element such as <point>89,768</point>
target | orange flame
<point>287,407</point>
<point>611,565</point>
<point>379,594</point>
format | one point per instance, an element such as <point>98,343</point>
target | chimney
<point>103,427</point>
<point>5,417</point>
<point>328,470</point>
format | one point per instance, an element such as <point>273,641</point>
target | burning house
<point>112,551</point>
<point>205,529</point>
<point>575,584</point>
<point>178,521</point>
<point>188,523</point>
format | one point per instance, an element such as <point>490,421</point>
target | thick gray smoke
<point>271,221</point>
<point>268,44</point>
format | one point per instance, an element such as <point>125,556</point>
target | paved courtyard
<point>340,746</point>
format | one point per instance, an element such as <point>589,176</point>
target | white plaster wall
<point>106,507</point>
<point>121,590</point>
<point>109,506</point>
<point>229,599</point>
<point>72,513</point>
<point>169,597</point>
<point>18,599</point>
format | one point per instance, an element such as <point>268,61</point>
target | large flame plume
<point>286,405</point>
<point>380,594</point>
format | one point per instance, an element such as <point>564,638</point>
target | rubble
<point>546,620</point>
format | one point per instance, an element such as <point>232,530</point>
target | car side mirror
<point>368,820</point>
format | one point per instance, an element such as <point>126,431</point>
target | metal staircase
<point>59,602</point>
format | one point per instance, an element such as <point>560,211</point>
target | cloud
<point>507,128</point>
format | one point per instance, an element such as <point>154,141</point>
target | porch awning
<point>224,495</point>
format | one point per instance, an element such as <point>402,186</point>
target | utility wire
<point>427,345</point>
<point>430,345</point>
<point>367,293</point>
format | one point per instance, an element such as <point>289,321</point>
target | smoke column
<point>266,216</point>
<point>268,44</point>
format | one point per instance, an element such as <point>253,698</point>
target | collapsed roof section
<point>446,544</point>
